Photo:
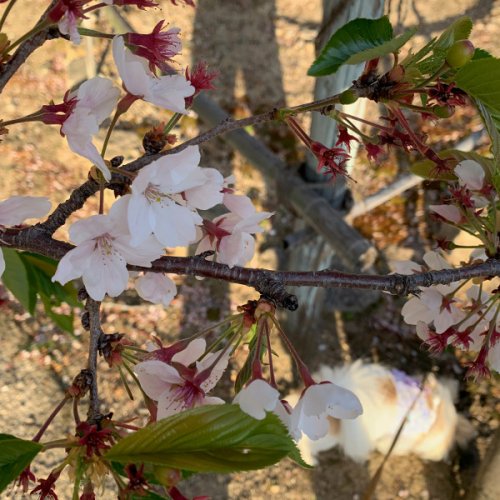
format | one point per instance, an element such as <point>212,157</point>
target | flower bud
<point>460,53</point>
<point>348,97</point>
<point>443,111</point>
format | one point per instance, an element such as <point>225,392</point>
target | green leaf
<point>28,275</point>
<point>15,455</point>
<point>218,438</point>
<point>492,125</point>
<point>480,79</point>
<point>358,41</point>
<point>427,168</point>
<point>459,30</point>
<point>16,279</point>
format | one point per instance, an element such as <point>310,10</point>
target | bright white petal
<point>191,353</point>
<point>133,70</point>
<point>74,263</point>
<point>90,228</point>
<point>175,225</point>
<point>106,273</point>
<point>140,219</point>
<point>209,194</point>
<point>257,398</point>
<point>169,92</point>
<point>99,95</point>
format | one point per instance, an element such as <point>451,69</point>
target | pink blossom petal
<point>217,370</point>
<point>17,209</point>
<point>156,377</point>
<point>448,212</point>
<point>156,288</point>
<point>470,174</point>
<point>191,353</point>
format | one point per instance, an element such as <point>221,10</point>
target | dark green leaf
<point>358,41</point>
<point>16,279</point>
<point>15,455</point>
<point>481,79</point>
<point>481,54</point>
<point>217,438</point>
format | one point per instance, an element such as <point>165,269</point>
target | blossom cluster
<point>179,377</point>
<point>161,208</point>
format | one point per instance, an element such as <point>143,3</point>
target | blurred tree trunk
<point>307,251</point>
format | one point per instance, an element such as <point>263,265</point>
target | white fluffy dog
<point>433,425</point>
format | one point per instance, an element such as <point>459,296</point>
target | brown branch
<point>93,308</point>
<point>267,282</point>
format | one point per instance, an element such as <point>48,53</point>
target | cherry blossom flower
<point>317,403</point>
<point>16,209</point>
<point>80,115</point>
<point>103,251</point>
<point>165,195</point>
<point>157,47</point>
<point>168,92</point>
<point>156,288</point>
<point>230,235</point>
<point>433,306</point>
<point>178,385</point>
<point>257,398</point>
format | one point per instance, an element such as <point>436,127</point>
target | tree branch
<point>93,309</point>
<point>267,282</point>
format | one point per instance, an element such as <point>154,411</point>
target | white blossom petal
<point>17,209</point>
<point>257,398</point>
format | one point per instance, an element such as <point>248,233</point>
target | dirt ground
<point>262,49</point>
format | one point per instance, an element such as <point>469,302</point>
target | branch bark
<point>265,281</point>
<point>93,309</point>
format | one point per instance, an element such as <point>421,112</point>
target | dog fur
<point>432,428</point>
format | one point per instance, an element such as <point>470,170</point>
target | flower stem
<point>172,122</point>
<point>51,417</point>
<point>6,12</point>
<point>31,33</point>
